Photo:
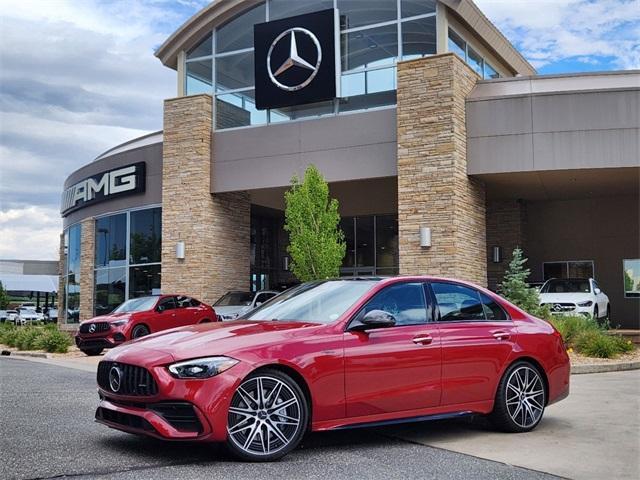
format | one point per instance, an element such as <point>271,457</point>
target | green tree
<point>4,298</point>
<point>316,243</point>
<point>514,287</point>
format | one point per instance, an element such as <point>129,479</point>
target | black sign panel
<point>295,60</point>
<point>120,181</point>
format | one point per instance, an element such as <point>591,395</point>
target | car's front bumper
<point>210,399</point>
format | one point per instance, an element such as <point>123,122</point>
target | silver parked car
<point>28,315</point>
<point>233,304</point>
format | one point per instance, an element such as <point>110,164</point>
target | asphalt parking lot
<point>47,431</point>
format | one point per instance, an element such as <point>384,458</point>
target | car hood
<point>573,297</point>
<point>219,338</point>
<point>111,317</point>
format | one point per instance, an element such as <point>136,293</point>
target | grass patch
<point>47,338</point>
<point>586,337</point>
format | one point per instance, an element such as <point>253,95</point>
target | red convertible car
<point>138,317</point>
<point>336,354</point>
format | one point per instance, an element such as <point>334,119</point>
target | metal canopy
<point>29,283</point>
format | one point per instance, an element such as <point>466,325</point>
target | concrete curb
<point>604,367</point>
<point>30,354</point>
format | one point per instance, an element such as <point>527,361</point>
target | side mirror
<point>258,304</point>
<point>160,308</point>
<point>597,291</point>
<point>376,319</point>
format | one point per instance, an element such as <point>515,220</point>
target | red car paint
<point>152,319</point>
<point>351,377</point>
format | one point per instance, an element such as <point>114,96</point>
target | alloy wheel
<point>525,396</point>
<point>264,417</point>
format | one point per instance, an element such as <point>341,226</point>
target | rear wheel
<point>267,418</point>
<point>520,399</point>
<point>92,352</point>
<point>139,331</point>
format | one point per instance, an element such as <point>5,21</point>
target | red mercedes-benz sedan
<point>139,317</point>
<point>337,354</point>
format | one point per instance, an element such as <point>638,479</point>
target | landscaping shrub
<point>26,338</point>
<point>8,334</point>
<point>53,340</point>
<point>585,336</point>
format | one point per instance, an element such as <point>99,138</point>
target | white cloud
<point>30,233</point>
<point>549,31</point>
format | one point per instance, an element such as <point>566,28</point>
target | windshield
<point>137,305</point>
<point>575,285</point>
<point>318,302</point>
<point>234,299</point>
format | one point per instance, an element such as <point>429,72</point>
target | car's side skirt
<point>435,413</point>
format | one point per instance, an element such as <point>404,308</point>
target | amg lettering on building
<point>121,181</point>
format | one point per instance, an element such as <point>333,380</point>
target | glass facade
<point>372,245</point>
<point>459,45</point>
<point>127,257</point>
<point>70,298</point>
<point>374,35</point>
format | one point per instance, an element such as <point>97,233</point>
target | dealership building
<point>443,146</point>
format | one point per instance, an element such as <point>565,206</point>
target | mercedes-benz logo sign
<point>92,328</point>
<point>115,378</point>
<point>557,307</point>
<point>294,59</point>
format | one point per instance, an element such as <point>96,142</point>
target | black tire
<point>502,416</point>
<point>92,352</point>
<point>296,412</point>
<point>596,318</point>
<point>139,331</point>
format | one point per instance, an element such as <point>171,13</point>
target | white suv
<point>566,296</point>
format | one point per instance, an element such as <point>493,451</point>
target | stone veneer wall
<point>214,228</point>
<point>506,223</point>
<point>62,287</point>
<point>87,265</point>
<point>433,187</point>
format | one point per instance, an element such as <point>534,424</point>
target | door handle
<point>501,335</point>
<point>422,339</point>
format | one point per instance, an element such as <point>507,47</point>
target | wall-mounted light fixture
<point>180,250</point>
<point>285,264</point>
<point>496,254</point>
<point>425,237</point>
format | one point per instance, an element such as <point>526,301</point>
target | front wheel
<point>267,418</point>
<point>139,331</point>
<point>92,352</point>
<point>520,399</point>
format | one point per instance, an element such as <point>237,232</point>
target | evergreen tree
<point>316,243</point>
<point>4,298</point>
<point>514,287</point>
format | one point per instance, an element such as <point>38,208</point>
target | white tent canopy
<point>29,283</point>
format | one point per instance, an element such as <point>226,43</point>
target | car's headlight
<point>201,367</point>
<point>119,323</point>
<point>588,303</point>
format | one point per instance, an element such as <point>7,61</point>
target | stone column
<point>214,228</point>
<point>506,222</point>
<point>87,265</point>
<point>61,299</point>
<point>433,187</point>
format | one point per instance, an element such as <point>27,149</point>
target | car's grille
<point>180,415</point>
<point>124,419</point>
<point>559,307</point>
<point>99,327</point>
<point>134,381</point>
<point>93,343</point>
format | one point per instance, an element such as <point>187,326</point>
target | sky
<point>79,76</point>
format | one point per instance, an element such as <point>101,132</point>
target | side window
<point>457,302</point>
<point>195,303</point>
<point>167,303</point>
<point>183,302</point>
<point>492,310</point>
<point>405,301</point>
<point>263,297</point>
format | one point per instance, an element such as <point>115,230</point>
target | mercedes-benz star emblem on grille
<point>115,378</point>
<point>92,328</point>
<point>557,307</point>
<point>294,59</point>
